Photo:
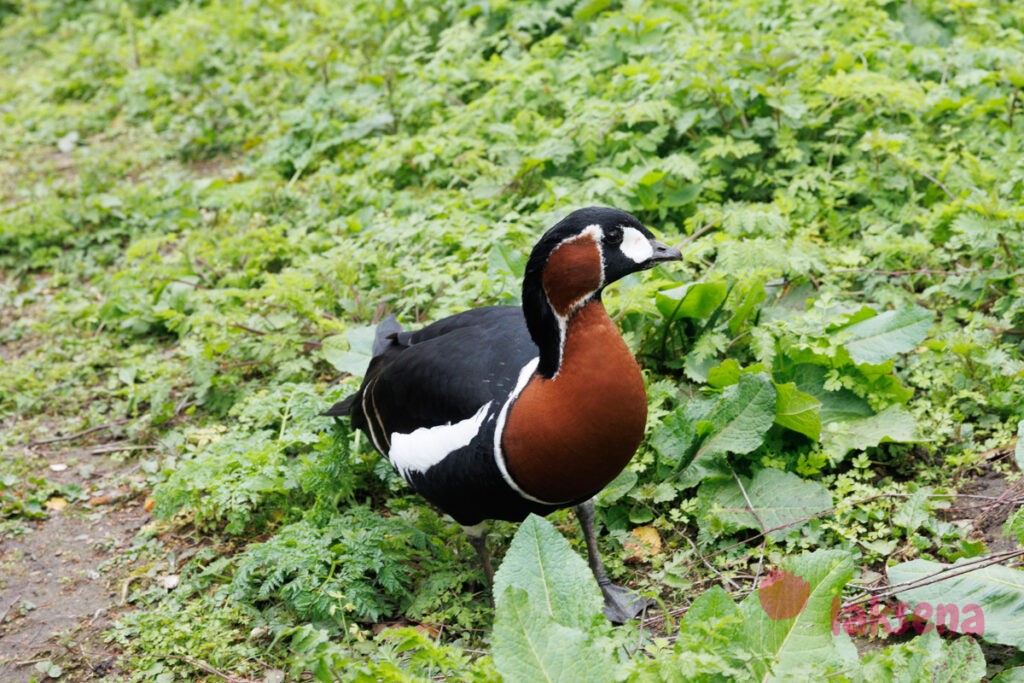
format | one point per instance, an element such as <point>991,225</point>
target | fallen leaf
<point>644,544</point>
<point>431,630</point>
<point>148,505</point>
<point>169,581</point>
<point>56,504</point>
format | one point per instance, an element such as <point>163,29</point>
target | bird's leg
<point>477,535</point>
<point>620,604</point>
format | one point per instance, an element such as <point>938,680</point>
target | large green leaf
<point>778,498</point>
<point>697,300</point>
<point>740,418</point>
<point>540,561</point>
<point>882,337</point>
<point>794,647</point>
<point>988,602</point>
<point>548,621</point>
<point>894,424</point>
<point>530,646</point>
<point>797,411</point>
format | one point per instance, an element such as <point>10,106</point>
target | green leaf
<point>540,562</point>
<point>894,424</point>
<point>548,622</point>
<point>1014,675</point>
<point>778,498</point>
<point>350,352</point>
<point>713,603</point>
<point>696,300</point>
<point>619,486</point>
<point>882,337</point>
<point>797,411</point>
<point>530,646</point>
<point>725,374</point>
<point>740,418</point>
<point>915,511</point>
<point>1014,526</point>
<point>788,648</point>
<point>987,602</point>
<point>925,658</point>
<point>836,406</point>
<point>675,438</point>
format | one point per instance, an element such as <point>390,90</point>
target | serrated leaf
<point>778,498</point>
<point>788,647</point>
<point>695,300</point>
<point>988,601</point>
<point>915,511</point>
<point>894,424</point>
<point>540,562</point>
<point>882,337</point>
<point>676,437</point>
<point>797,411</point>
<point>740,418</point>
<point>530,646</point>
<point>619,486</point>
<point>925,658</point>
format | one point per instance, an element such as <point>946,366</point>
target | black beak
<point>662,253</point>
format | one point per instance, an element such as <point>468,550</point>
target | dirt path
<point>59,589</point>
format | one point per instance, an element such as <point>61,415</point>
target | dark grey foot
<point>622,605</point>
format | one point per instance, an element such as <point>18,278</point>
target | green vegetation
<point>205,205</point>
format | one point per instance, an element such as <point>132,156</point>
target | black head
<point>584,252</point>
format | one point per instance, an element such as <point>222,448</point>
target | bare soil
<point>57,595</point>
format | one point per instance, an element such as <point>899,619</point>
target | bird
<point>498,412</point>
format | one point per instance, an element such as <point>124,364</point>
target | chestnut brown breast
<point>569,436</point>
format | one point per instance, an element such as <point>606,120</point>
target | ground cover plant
<point>206,206</point>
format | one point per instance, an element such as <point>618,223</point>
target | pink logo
<point>874,616</point>
<point>784,595</point>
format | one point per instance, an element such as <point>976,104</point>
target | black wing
<point>442,373</point>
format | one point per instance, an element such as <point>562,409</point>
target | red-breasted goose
<point>498,412</point>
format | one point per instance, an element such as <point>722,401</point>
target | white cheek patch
<point>635,246</point>
<point>423,448</point>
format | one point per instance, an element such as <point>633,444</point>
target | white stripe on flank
<point>524,377</point>
<point>423,448</point>
<point>635,246</point>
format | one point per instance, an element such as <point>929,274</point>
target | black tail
<point>383,338</point>
<point>341,408</point>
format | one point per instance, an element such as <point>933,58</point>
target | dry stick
<point>750,505</point>
<point>949,572</point>
<point>732,583</point>
<point>117,448</point>
<point>8,608</point>
<point>77,435</point>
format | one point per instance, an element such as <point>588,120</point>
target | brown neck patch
<point>566,438</point>
<point>573,271</point>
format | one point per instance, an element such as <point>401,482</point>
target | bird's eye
<point>613,235</point>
